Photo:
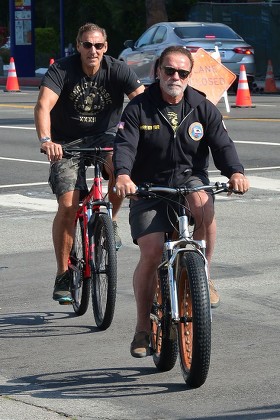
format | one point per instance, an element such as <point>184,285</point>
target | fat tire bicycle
<point>93,259</point>
<point>181,312</point>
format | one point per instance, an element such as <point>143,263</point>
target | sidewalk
<point>23,81</point>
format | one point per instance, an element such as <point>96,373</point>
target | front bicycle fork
<point>172,250</point>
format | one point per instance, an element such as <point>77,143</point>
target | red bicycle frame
<point>91,204</point>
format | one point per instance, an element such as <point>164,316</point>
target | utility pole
<point>62,50</point>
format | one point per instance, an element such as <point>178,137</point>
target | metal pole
<point>62,52</point>
<point>12,27</point>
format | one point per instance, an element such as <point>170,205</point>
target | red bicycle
<point>93,258</point>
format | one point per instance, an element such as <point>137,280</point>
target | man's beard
<point>172,90</point>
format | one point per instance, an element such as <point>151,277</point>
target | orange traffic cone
<point>51,62</point>
<point>270,85</point>
<point>243,97</point>
<point>12,80</point>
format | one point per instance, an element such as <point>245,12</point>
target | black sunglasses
<point>88,45</point>
<point>170,71</point>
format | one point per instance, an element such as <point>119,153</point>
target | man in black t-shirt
<point>80,103</point>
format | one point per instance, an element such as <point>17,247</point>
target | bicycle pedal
<point>65,302</point>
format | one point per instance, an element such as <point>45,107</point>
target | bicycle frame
<point>90,206</point>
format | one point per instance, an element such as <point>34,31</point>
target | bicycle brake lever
<point>227,188</point>
<point>236,192</point>
<point>146,194</point>
<point>142,194</point>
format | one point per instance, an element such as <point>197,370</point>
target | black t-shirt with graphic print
<point>174,112</point>
<point>87,105</point>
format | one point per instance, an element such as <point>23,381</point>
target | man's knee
<point>68,204</point>
<point>151,251</point>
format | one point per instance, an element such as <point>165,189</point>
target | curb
<point>23,81</point>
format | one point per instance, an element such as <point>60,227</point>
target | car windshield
<point>206,32</point>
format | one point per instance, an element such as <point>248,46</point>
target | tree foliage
<point>155,12</point>
<point>121,19</point>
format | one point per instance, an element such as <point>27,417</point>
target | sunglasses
<point>170,71</point>
<point>88,45</point>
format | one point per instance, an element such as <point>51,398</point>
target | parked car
<point>142,55</point>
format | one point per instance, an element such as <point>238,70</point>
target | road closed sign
<point>210,76</point>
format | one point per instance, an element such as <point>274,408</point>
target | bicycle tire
<point>80,286</point>
<point>163,337</point>
<point>194,329</point>
<point>104,272</point>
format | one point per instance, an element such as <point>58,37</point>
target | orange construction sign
<point>210,76</point>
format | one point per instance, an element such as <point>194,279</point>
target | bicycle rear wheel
<point>163,336</point>
<point>80,287</point>
<point>104,272</point>
<point>194,329</point>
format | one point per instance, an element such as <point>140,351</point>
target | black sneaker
<point>118,240</point>
<point>61,291</point>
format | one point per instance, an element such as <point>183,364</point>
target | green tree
<point>121,19</point>
<point>155,12</point>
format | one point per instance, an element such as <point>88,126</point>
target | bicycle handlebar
<point>85,151</point>
<point>89,151</point>
<point>148,190</point>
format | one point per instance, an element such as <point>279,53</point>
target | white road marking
<point>262,143</point>
<point>50,205</point>
<point>29,203</point>
<point>29,184</point>
<point>25,160</point>
<point>18,128</point>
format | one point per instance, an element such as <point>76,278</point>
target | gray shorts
<point>156,215</point>
<point>69,174</point>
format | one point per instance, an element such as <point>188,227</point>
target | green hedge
<point>5,54</point>
<point>46,46</point>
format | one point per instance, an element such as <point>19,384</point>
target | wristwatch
<point>44,139</point>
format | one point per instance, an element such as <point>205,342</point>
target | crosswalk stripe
<point>50,204</point>
<point>30,203</point>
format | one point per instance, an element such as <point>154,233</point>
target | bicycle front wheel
<point>80,287</point>
<point>163,334</point>
<point>104,272</point>
<point>194,329</point>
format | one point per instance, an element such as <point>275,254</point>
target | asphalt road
<point>55,364</point>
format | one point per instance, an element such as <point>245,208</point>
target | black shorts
<point>156,215</point>
<point>69,174</point>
